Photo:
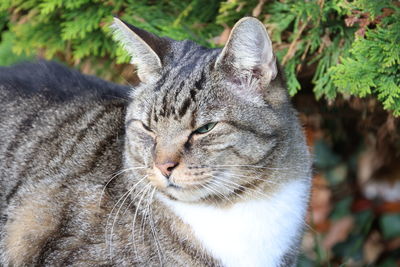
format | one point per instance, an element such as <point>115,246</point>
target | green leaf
<point>342,208</point>
<point>390,225</point>
<point>7,57</point>
<point>324,156</point>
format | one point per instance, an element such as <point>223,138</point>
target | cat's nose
<point>166,168</point>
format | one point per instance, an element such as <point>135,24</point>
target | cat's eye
<point>205,128</point>
<point>147,128</point>
<point>138,124</point>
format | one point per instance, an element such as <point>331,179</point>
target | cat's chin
<point>178,189</point>
<point>183,194</point>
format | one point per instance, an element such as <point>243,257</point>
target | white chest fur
<point>252,233</point>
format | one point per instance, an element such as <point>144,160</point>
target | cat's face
<point>206,123</point>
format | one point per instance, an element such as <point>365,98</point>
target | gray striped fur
<point>70,143</point>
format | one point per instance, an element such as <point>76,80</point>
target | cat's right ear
<point>247,55</point>
<point>145,49</point>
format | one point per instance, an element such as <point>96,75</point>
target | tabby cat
<point>204,163</point>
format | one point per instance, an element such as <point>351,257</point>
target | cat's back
<point>43,97</point>
<point>48,82</point>
<point>48,110</point>
<point>57,126</point>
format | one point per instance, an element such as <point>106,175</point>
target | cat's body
<point>62,140</point>
<point>92,175</point>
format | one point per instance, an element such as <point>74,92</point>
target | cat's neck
<point>257,232</point>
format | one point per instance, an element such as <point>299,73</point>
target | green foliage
<point>390,224</point>
<point>373,66</point>
<point>351,47</point>
<point>325,158</point>
<point>7,57</point>
<point>353,246</point>
<point>77,30</point>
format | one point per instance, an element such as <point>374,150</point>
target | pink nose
<point>166,168</point>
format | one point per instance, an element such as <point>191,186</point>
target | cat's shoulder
<point>56,81</point>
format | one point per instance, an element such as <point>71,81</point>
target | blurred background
<point>342,62</point>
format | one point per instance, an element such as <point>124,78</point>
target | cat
<point>204,163</point>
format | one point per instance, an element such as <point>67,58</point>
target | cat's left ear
<point>248,53</point>
<point>146,49</point>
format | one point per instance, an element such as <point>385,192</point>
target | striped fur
<point>81,177</point>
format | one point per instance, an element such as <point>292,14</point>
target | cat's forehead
<point>183,88</point>
<point>188,65</point>
<point>179,100</point>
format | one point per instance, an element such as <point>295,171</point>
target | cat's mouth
<point>179,183</point>
<point>179,187</point>
<point>173,185</point>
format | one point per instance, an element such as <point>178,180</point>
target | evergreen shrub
<point>352,48</point>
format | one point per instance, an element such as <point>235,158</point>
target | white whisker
<point>248,166</point>
<point>113,177</point>
<point>215,191</point>
<point>240,186</point>
<point>144,192</point>
<point>220,183</point>
<point>123,199</point>
<point>248,178</point>
<point>154,234</point>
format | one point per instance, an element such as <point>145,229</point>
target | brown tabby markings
<point>83,162</point>
<point>30,227</point>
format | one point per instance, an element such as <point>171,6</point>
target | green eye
<point>205,128</point>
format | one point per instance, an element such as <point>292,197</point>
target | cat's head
<point>209,123</point>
